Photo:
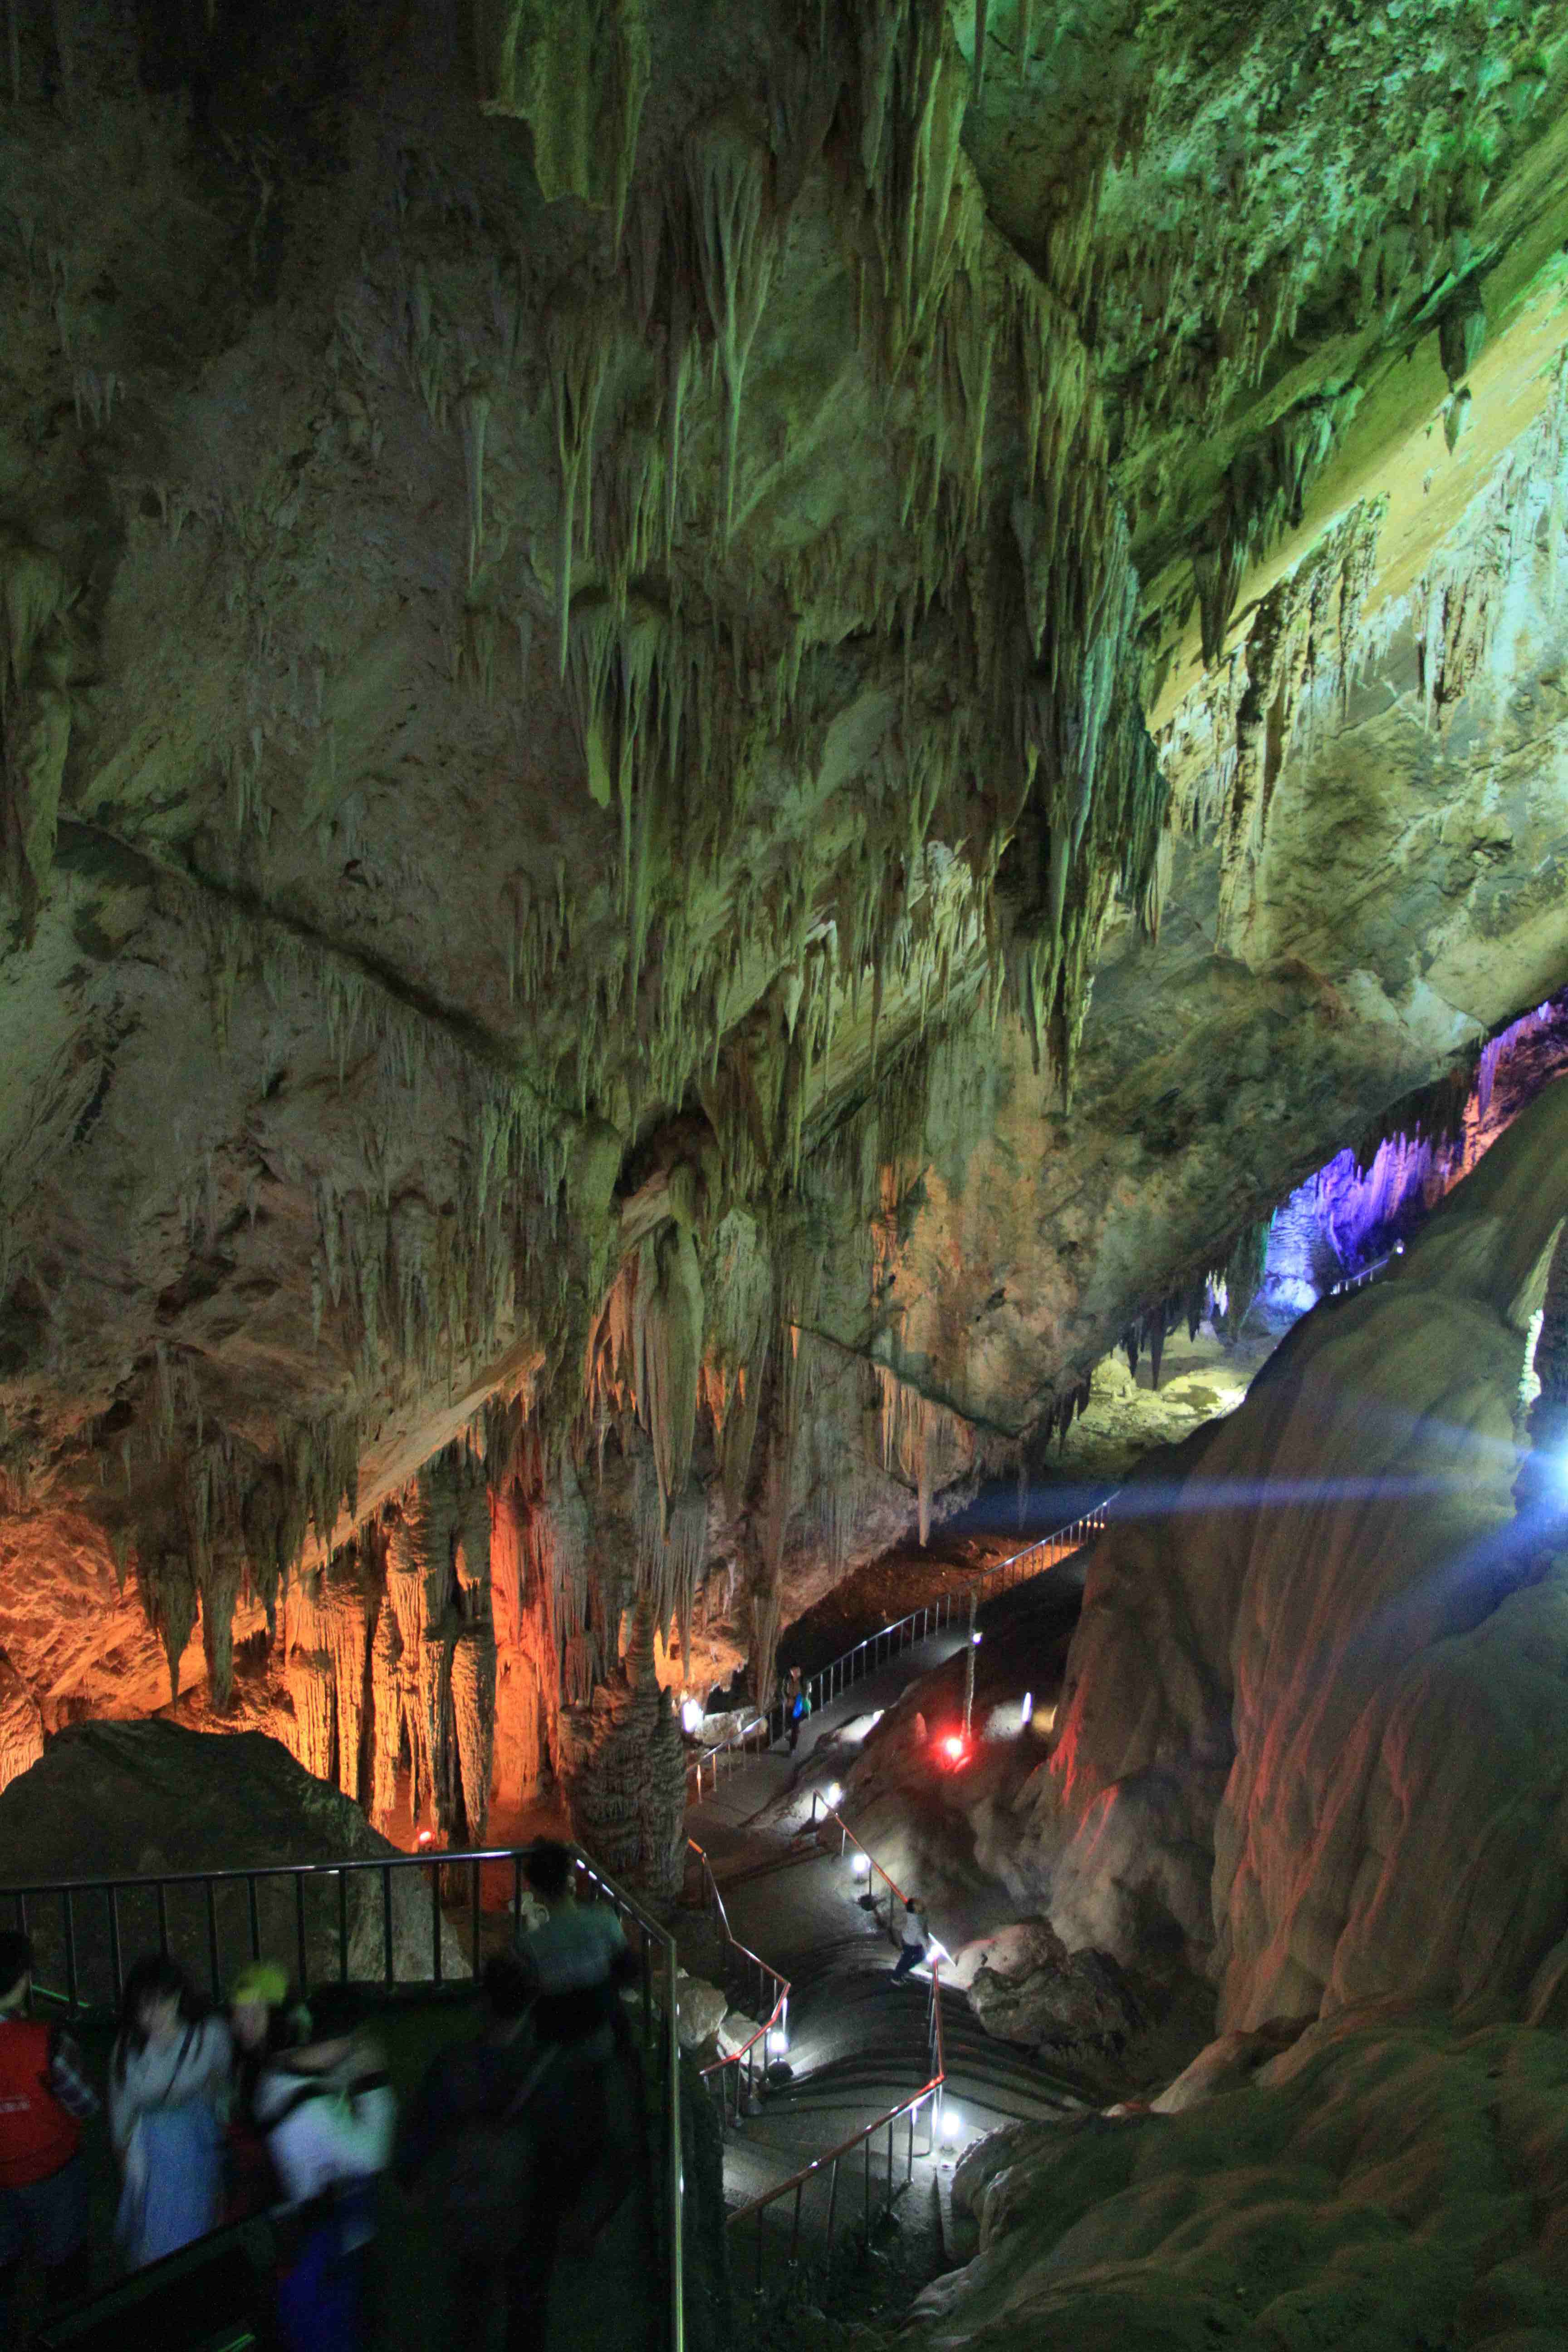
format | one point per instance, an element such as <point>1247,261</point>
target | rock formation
<point>1389,2180</point>
<point>123,1801</point>
<point>724,732</point>
<point>1311,1720</point>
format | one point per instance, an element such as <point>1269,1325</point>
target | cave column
<point>624,1769</point>
<point>439,1573</point>
<point>473,1665</point>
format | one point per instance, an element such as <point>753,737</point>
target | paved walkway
<point>857,2040</point>
<point>723,1823</point>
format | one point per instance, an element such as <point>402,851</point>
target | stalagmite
<point>625,1772</point>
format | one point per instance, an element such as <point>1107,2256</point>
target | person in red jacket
<point>43,2103</point>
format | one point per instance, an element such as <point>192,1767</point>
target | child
<point>168,2094</point>
<point>43,2101</point>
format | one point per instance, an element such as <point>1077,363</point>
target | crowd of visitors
<point>523,2138</point>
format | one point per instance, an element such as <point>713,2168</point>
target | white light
<point>861,1863</point>
<point>691,1717</point>
<point>1028,1708</point>
<point>778,2042</point>
<point>833,1794</point>
<point>876,1718</point>
<point>977,1639</point>
<point>951,2125</point>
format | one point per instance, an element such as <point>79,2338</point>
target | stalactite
<point>219,1593</point>
<point>728,172</point>
<point>579,339</point>
<point>36,665</point>
<point>667,1351</point>
<point>922,1440</point>
<point>579,78</point>
<point>172,1601</point>
<point>387,1716</point>
<point>474,410</point>
<point>312,1681</point>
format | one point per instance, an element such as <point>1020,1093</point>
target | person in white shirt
<point>329,2115</point>
<point>914,1940</point>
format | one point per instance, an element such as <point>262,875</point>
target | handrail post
<point>676,2184</point>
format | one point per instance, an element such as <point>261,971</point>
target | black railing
<point>734,2079</point>
<point>820,2177</point>
<point>383,1921</point>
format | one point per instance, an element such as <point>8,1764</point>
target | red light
<point>954,1745</point>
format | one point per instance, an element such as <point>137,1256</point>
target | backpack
<point>800,1707</point>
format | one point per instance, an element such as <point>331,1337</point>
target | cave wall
<point>1312,1719</point>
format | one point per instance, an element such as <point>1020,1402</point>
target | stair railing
<point>823,2173</point>
<point>733,2079</point>
<point>757,1734</point>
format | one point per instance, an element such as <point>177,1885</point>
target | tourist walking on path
<point>797,1704</point>
<point>44,2100</point>
<point>168,2096</point>
<point>914,1941</point>
<point>584,2113</point>
<point>265,2017</point>
<point>329,2114</point>
<point>466,2143</point>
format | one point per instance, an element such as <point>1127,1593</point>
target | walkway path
<point>858,2042</point>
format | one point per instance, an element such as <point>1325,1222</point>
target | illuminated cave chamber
<point>724,746</point>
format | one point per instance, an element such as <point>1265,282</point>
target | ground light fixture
<point>977,1639</point>
<point>952,1747</point>
<point>691,1717</point>
<point>832,1795</point>
<point>951,2127</point>
<point>1027,1713</point>
<point>778,2041</point>
<point>860,1864</point>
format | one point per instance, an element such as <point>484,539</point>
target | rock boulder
<point>128,1801</point>
<point>1031,1989</point>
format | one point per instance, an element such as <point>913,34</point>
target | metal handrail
<point>825,2166</point>
<point>734,2095</point>
<point>854,1666</point>
<point>652,1936</point>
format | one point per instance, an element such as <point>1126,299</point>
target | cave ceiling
<point>679,674</point>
